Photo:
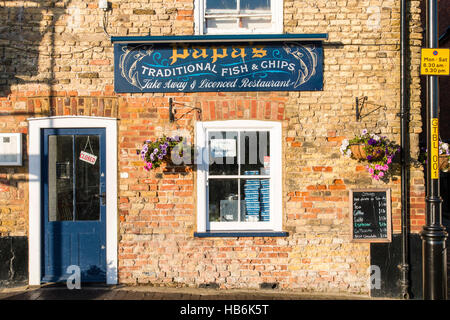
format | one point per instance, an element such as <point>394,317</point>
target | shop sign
<point>88,157</point>
<point>273,66</point>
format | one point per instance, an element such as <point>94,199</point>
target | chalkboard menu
<point>370,212</point>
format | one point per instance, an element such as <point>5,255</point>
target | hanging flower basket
<point>359,152</point>
<point>154,153</point>
<point>443,163</point>
<point>444,156</point>
<point>377,151</point>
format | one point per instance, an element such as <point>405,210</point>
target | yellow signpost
<point>435,62</point>
<point>434,148</point>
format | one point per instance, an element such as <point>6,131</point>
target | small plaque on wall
<point>370,215</point>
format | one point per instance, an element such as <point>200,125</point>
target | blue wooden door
<point>74,219</point>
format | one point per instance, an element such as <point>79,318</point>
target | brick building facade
<point>57,60</point>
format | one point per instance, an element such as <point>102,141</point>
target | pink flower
<point>388,161</point>
<point>381,174</point>
<point>148,166</point>
<point>371,171</point>
<point>376,177</point>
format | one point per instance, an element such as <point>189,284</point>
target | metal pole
<point>434,258</point>
<point>404,151</point>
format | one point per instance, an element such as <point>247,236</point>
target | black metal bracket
<point>360,103</point>
<point>172,110</point>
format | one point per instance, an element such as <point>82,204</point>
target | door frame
<point>35,192</point>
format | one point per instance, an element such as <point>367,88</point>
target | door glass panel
<point>60,178</point>
<point>87,178</point>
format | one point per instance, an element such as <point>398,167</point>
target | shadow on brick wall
<point>27,40</point>
<point>14,257</point>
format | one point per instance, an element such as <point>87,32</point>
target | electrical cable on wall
<point>105,23</point>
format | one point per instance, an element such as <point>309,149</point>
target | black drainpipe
<point>404,151</point>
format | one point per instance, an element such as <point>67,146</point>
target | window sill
<point>240,234</point>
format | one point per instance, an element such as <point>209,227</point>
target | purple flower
<point>372,141</point>
<point>156,150</point>
<point>160,156</point>
<point>369,157</point>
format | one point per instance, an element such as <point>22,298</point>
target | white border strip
<point>34,156</point>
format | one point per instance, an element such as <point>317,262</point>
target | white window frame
<point>276,25</point>
<point>275,223</point>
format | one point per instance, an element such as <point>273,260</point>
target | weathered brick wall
<point>56,60</point>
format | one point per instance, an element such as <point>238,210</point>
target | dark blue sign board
<point>197,67</point>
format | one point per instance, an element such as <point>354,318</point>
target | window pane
<point>60,178</point>
<point>255,152</point>
<point>221,23</point>
<point>220,4</point>
<point>223,200</point>
<point>87,180</point>
<point>255,198</point>
<point>256,23</point>
<point>255,5</point>
<point>223,153</point>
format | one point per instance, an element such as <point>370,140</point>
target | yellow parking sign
<point>435,62</point>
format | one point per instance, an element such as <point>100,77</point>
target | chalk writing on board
<point>370,215</point>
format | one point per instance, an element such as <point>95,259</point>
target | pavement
<point>122,292</point>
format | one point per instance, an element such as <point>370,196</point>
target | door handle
<point>102,196</point>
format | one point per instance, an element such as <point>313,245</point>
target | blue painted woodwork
<point>223,38</point>
<point>75,242</point>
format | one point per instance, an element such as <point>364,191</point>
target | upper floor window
<point>238,16</point>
